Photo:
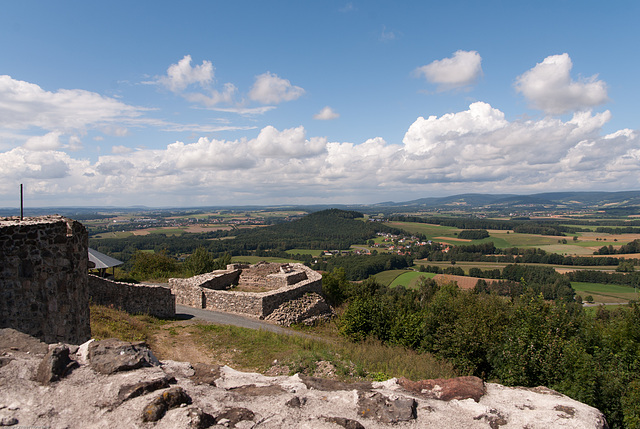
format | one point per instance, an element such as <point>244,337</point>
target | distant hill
<point>614,202</point>
<point>607,201</point>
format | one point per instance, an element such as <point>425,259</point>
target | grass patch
<point>500,239</point>
<point>112,323</point>
<point>427,229</point>
<point>387,277</point>
<point>167,231</point>
<point>312,252</point>
<point>605,292</point>
<point>256,350</point>
<point>410,279</point>
<point>115,234</point>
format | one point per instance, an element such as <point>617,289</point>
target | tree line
<point>522,340</point>
<point>524,226</point>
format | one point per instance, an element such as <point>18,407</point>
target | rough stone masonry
<point>43,278</point>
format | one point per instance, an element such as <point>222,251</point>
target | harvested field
<point>464,282</point>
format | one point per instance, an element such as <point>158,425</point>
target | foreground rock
<point>172,394</point>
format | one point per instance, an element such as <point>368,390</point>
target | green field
<point>427,229</point>
<point>584,246</point>
<point>256,259</point>
<point>410,279</point>
<point>115,234</point>
<point>407,278</point>
<point>387,277</point>
<point>602,293</point>
<point>500,239</point>
<point>167,231</point>
<point>312,252</point>
<point>465,265</point>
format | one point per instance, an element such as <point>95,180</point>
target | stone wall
<point>276,281</point>
<point>190,291</point>
<point>155,300</point>
<point>294,282</point>
<point>43,278</point>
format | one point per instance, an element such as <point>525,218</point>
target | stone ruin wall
<point>189,291</point>
<point>292,285</point>
<point>43,278</point>
<point>276,281</point>
<point>155,300</point>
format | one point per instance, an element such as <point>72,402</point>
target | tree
<point>625,267</point>
<point>199,262</point>
<point>335,285</point>
<point>147,266</point>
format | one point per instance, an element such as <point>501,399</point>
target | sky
<point>214,103</point>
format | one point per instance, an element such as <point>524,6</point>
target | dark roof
<point>101,260</point>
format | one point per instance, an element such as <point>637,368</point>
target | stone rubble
<point>308,309</point>
<point>173,394</point>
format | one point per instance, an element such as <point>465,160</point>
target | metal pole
<point>21,203</point>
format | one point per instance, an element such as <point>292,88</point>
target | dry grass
<point>258,351</point>
<point>464,282</point>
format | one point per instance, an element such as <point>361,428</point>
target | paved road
<point>221,318</point>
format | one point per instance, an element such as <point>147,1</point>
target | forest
<point>327,229</point>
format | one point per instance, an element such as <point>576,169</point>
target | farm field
<point>410,279</point>
<point>584,245</point>
<point>312,252</point>
<point>493,265</point>
<point>603,293</point>
<point>387,277</point>
<point>115,234</point>
<point>406,278</point>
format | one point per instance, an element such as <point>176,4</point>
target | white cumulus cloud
<point>195,84</point>
<point>476,150</point>
<point>549,87</point>
<point>179,76</point>
<point>462,69</point>
<point>24,105</point>
<point>271,89</point>
<point>49,141</point>
<point>326,114</point>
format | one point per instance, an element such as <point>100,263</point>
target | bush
<point>154,266</point>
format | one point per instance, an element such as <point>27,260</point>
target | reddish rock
<point>446,389</point>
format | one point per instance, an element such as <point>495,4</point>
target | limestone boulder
<point>112,355</point>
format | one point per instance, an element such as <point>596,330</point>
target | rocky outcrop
<point>113,355</point>
<point>172,394</point>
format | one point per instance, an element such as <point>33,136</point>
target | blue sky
<point>292,102</point>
